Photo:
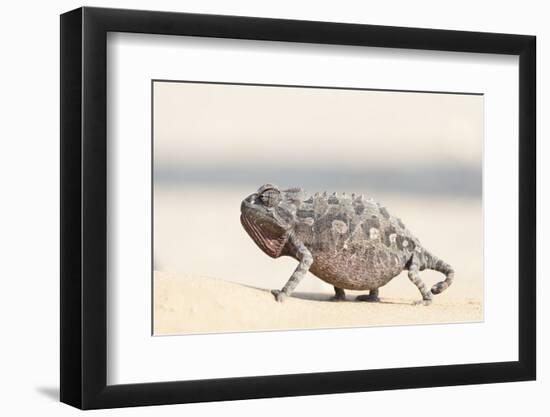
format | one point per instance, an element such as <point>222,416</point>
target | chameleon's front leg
<point>306,259</point>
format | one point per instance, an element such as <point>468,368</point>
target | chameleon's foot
<point>424,301</point>
<point>279,295</point>
<point>368,298</point>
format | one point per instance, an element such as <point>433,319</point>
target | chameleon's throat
<point>271,245</point>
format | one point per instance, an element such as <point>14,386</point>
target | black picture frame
<point>84,207</point>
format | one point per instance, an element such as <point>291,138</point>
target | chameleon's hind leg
<point>371,297</point>
<point>414,276</point>
<point>306,259</point>
<point>339,294</point>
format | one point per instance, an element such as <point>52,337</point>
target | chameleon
<point>348,241</point>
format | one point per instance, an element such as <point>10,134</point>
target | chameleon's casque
<point>348,241</point>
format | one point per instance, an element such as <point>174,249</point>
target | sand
<point>186,304</point>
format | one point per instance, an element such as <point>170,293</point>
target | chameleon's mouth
<point>272,245</point>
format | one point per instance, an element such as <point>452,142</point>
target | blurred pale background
<point>420,154</point>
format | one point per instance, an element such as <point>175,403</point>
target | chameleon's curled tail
<point>441,266</point>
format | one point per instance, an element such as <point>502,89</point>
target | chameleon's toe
<point>279,295</point>
<point>424,302</point>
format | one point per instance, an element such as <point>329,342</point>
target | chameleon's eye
<point>270,197</point>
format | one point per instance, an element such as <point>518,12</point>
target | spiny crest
<point>333,199</point>
<point>294,190</point>
<point>294,194</point>
<point>384,212</point>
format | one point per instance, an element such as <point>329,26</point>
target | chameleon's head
<point>268,216</point>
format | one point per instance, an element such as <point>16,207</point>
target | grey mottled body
<point>350,242</point>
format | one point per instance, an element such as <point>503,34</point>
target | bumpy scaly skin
<point>347,241</point>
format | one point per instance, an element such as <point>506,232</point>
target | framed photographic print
<point>257,207</point>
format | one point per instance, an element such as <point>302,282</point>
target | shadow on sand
<point>320,296</point>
